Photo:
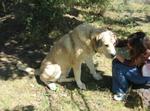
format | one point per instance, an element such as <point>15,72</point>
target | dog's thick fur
<point>74,48</point>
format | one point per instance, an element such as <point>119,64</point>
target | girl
<point>125,71</point>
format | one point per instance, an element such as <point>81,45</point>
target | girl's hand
<point>139,61</point>
<point>147,54</point>
<point>120,58</point>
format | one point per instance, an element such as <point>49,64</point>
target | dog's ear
<point>96,34</point>
<point>96,37</point>
<point>99,43</point>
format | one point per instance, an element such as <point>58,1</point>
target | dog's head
<point>105,42</point>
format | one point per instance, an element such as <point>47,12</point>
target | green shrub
<point>39,17</point>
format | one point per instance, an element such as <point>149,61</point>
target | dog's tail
<point>24,67</point>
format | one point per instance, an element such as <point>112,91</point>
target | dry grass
<point>25,94</point>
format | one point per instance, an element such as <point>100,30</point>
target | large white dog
<point>74,48</point>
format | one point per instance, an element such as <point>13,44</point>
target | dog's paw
<point>97,76</point>
<point>82,86</point>
<point>52,86</point>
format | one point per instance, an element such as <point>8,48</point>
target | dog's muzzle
<point>112,55</point>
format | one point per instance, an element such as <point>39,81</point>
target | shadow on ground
<point>22,108</point>
<point>90,82</point>
<point>14,48</point>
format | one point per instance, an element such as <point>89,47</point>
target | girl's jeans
<point>123,74</point>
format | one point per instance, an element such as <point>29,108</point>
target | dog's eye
<point>106,45</point>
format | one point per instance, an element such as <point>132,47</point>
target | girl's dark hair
<point>121,43</point>
<point>136,41</point>
<point>147,42</point>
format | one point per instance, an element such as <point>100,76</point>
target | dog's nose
<point>112,55</point>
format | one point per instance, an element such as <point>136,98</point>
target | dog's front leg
<point>77,74</point>
<point>63,77</point>
<point>90,65</point>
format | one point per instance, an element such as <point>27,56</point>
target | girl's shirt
<point>146,68</point>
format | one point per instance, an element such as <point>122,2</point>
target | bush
<point>40,16</point>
